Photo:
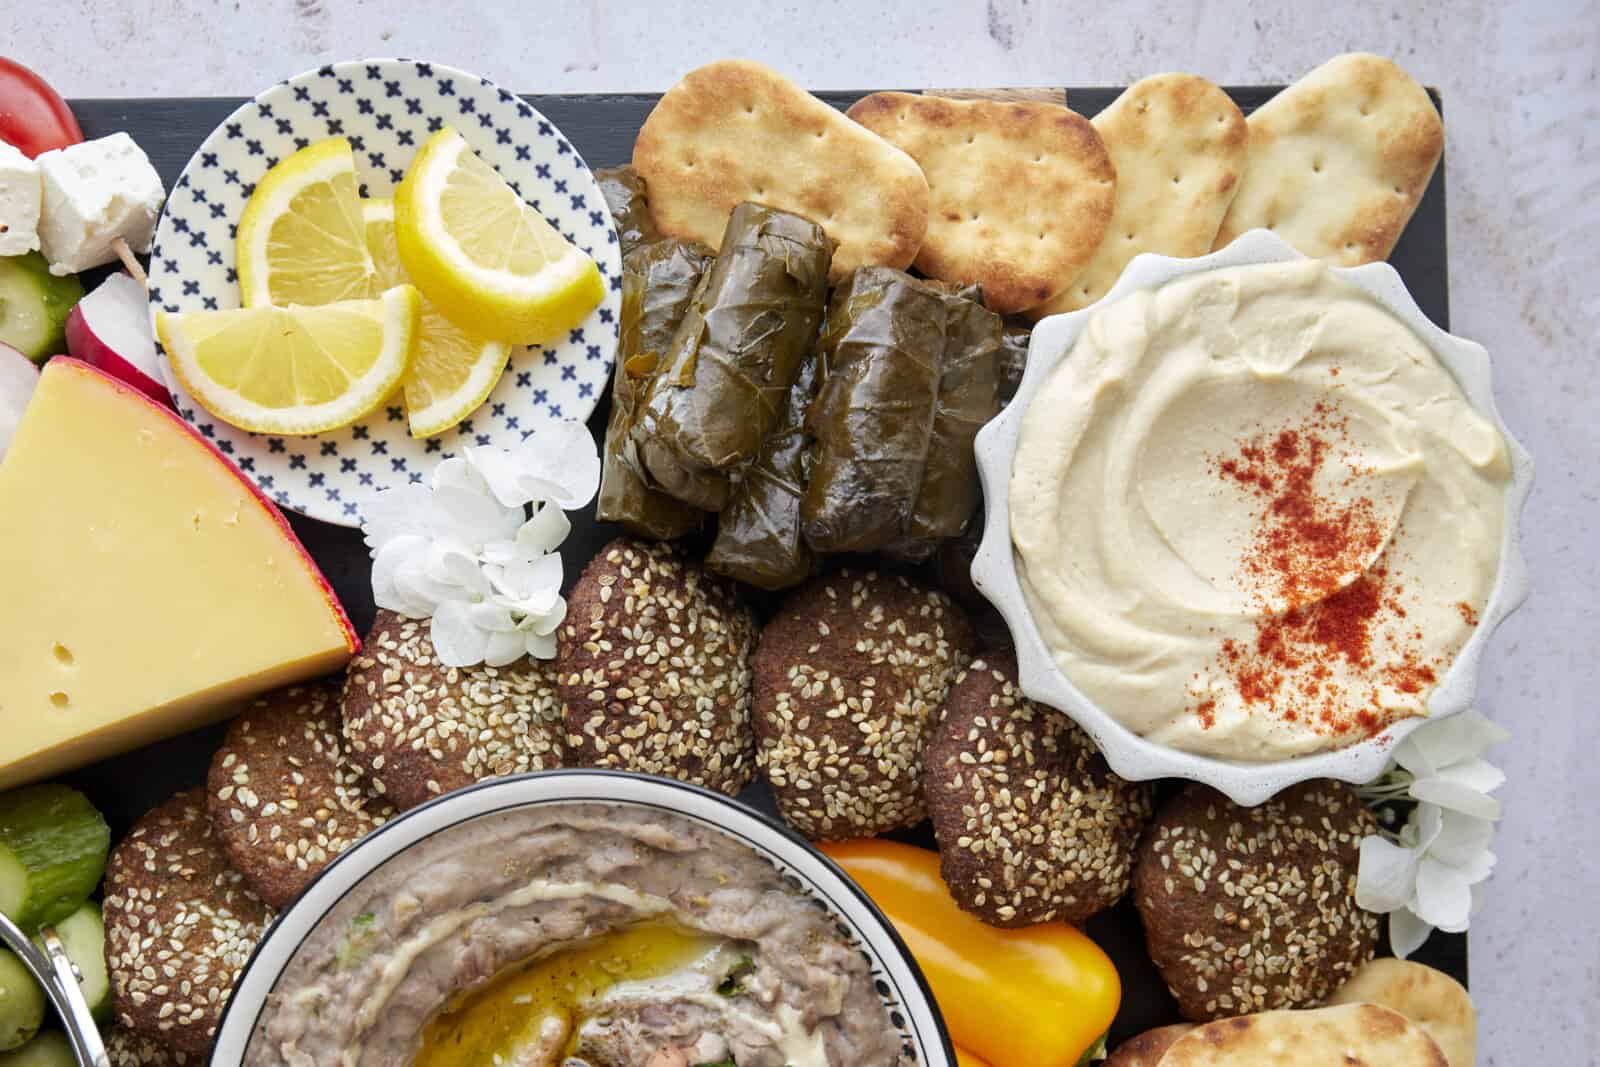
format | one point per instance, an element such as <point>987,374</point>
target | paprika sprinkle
<point>1314,571</point>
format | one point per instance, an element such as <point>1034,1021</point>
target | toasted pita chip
<point>1021,191</point>
<point>734,130</point>
<point>1431,999</point>
<point>1146,1049</point>
<point>1350,1035</point>
<point>1339,161</point>
<point>1178,145</point>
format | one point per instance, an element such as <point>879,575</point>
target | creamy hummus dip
<point>577,935</point>
<point>1254,516</point>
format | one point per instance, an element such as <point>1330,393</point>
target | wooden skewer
<point>129,261</point>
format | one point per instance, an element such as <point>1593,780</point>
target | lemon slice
<point>451,372</point>
<point>490,262</point>
<point>294,370</point>
<point>301,240</point>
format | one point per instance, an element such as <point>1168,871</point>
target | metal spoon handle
<point>59,978</point>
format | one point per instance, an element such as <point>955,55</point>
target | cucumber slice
<point>83,935</point>
<point>49,1049</point>
<point>53,846</point>
<point>21,1002</point>
<point>33,306</point>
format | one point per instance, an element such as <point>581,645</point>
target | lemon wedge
<point>488,261</point>
<point>301,238</point>
<point>294,370</point>
<point>451,372</point>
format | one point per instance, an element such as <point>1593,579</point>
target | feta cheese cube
<point>94,193</point>
<point>19,202</point>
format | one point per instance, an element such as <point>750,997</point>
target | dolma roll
<point>749,327</point>
<point>658,281</point>
<point>759,540</point>
<point>623,188</point>
<point>967,399</point>
<point>908,378</point>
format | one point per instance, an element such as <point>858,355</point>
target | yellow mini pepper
<point>1034,996</point>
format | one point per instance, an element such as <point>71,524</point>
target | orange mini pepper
<point>1034,996</point>
<point>967,1059</point>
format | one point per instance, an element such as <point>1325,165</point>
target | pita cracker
<point>1146,1049</point>
<point>1021,191</point>
<point>1339,161</point>
<point>1430,998</point>
<point>734,130</point>
<point>1350,1035</point>
<point>1178,143</point>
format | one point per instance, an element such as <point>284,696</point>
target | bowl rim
<point>923,1019</point>
<point>994,570</point>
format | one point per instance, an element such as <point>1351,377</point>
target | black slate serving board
<point>603,127</point>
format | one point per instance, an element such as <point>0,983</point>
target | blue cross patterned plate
<point>387,108</point>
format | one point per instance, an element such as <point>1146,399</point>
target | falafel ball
<point>417,728</point>
<point>654,668</point>
<point>1032,824</point>
<point>850,676</point>
<point>1252,909</point>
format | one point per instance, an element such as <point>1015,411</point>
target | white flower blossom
<point>477,549</point>
<point>1428,875</point>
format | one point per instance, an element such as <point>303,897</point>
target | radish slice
<point>110,330</point>
<point>18,376</point>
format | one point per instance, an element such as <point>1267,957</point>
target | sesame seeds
<point>419,728</point>
<point>1251,909</point>
<point>849,675</point>
<point>179,925</point>
<point>1031,822</point>
<point>312,803</point>
<point>655,668</point>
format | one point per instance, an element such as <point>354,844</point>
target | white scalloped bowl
<point>994,569</point>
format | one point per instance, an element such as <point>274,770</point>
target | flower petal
<point>1445,741</point>
<point>457,641</point>
<point>1477,774</point>
<point>505,648</point>
<point>400,511</point>
<point>1456,797</point>
<point>1407,933</point>
<point>388,564</point>
<point>1461,839</point>
<point>503,475</point>
<point>1385,875</point>
<point>561,464</point>
<point>545,531</point>
<point>541,646</point>
<point>1443,896</point>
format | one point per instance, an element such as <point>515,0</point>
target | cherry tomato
<point>32,115</point>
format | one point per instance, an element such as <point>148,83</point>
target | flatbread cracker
<point>1430,998</point>
<point>1339,161</point>
<point>1146,1049</point>
<point>1021,191</point>
<point>1348,1035</point>
<point>734,130</point>
<point>1178,144</point>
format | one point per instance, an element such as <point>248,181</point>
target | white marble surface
<point>1522,105</point>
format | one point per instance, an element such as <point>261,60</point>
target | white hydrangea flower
<point>1428,875</point>
<point>477,549</point>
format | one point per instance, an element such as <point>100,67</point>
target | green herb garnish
<point>732,984</point>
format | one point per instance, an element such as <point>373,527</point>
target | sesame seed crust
<point>849,675</point>
<point>1251,909</point>
<point>417,728</point>
<point>654,668</point>
<point>1032,824</point>
<point>284,800</point>
<point>180,924</point>
<point>127,1049</point>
